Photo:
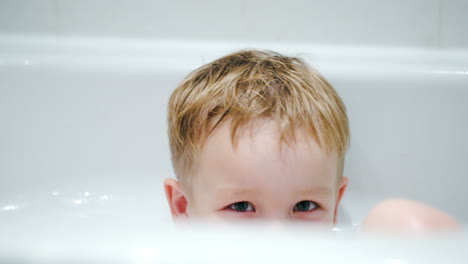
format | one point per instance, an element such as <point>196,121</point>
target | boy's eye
<point>305,206</point>
<point>241,207</point>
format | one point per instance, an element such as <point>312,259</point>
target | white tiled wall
<point>428,23</point>
<point>28,16</point>
<point>454,23</point>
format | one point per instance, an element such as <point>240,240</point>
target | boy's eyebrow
<point>234,190</point>
<point>315,189</point>
<point>323,190</point>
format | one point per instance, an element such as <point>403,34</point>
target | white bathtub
<point>83,150</point>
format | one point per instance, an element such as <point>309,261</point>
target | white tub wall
<point>424,23</point>
<point>74,122</point>
<point>118,145</point>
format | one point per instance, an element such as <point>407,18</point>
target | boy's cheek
<point>200,209</point>
<point>228,215</point>
<point>319,217</point>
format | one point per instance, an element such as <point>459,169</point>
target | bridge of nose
<point>275,208</point>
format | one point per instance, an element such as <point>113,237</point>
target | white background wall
<point>425,23</point>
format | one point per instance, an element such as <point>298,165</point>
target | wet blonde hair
<point>253,84</point>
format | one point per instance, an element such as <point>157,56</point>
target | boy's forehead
<point>259,135</point>
<point>260,155</point>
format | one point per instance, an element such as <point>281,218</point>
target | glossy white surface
<point>83,145</point>
<point>119,241</point>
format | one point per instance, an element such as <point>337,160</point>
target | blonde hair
<point>251,84</point>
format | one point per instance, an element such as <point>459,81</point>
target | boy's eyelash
<point>305,206</point>
<point>318,205</point>
<point>245,206</point>
<point>244,203</point>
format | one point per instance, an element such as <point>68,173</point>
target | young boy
<point>256,134</point>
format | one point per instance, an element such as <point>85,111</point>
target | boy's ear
<point>341,191</point>
<point>176,199</point>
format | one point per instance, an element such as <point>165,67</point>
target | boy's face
<point>260,179</point>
